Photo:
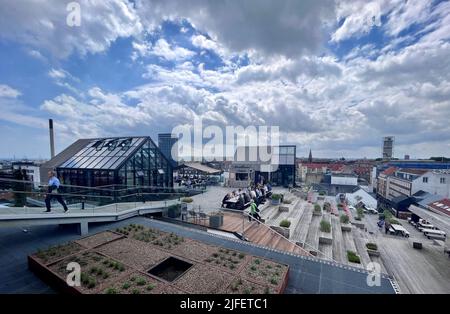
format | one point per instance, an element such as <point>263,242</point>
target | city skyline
<point>335,76</point>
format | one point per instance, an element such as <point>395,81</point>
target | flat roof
<point>306,275</point>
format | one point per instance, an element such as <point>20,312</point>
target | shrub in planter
<point>322,193</point>
<point>174,211</point>
<point>344,219</point>
<point>276,199</point>
<point>187,200</point>
<point>387,214</point>
<point>393,221</point>
<point>360,212</point>
<point>285,223</point>
<point>287,202</point>
<point>325,226</point>
<point>353,257</point>
<point>371,246</point>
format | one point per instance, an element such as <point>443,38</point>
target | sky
<point>334,76</point>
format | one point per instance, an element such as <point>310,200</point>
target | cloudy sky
<point>335,76</point>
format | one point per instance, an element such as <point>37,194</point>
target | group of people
<point>254,195</point>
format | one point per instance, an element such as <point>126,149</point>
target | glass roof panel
<point>106,153</point>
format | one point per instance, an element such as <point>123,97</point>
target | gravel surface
<point>203,279</point>
<point>134,253</point>
<point>98,239</point>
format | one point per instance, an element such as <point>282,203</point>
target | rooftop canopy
<point>200,167</point>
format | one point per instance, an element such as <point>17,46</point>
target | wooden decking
<point>257,233</point>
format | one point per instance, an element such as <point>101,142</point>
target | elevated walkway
<point>27,216</point>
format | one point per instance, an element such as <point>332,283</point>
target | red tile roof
<point>389,171</point>
<point>442,206</point>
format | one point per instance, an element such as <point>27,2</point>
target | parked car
<point>371,210</point>
<point>398,230</point>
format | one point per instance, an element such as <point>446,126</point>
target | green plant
<point>141,282</point>
<point>253,267</point>
<point>276,197</point>
<point>344,219</point>
<point>353,257</point>
<point>187,200</point>
<point>257,261</point>
<point>285,223</point>
<point>150,287</point>
<point>372,246</point>
<point>273,281</point>
<point>358,218</point>
<point>317,208</point>
<point>126,285</point>
<point>360,212</point>
<point>111,291</point>
<point>91,283</point>
<point>393,221</point>
<point>322,193</point>
<point>287,202</point>
<point>325,226</point>
<point>135,291</point>
<point>241,255</point>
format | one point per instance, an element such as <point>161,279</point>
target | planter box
<point>359,225</point>
<point>281,230</point>
<point>317,213</point>
<point>283,209</point>
<point>325,238</point>
<point>216,221</point>
<point>275,202</point>
<point>373,252</point>
<point>346,227</point>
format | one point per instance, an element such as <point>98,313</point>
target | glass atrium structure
<point>125,161</point>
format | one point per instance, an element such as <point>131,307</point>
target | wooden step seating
<point>300,232</point>
<point>349,245</point>
<point>339,253</point>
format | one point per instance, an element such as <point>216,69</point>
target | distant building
<point>245,169</point>
<point>310,160</point>
<point>406,157</point>
<point>32,170</point>
<point>166,143</point>
<point>121,161</point>
<point>434,182</point>
<point>388,147</point>
<point>337,183</point>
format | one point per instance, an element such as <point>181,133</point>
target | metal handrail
<point>99,188</point>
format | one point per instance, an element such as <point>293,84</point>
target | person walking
<point>254,212</point>
<point>53,192</point>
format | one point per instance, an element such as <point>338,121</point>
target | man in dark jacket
<point>53,192</point>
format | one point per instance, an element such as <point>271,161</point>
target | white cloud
<point>8,92</point>
<point>170,52</point>
<point>141,49</point>
<point>42,24</point>
<point>358,17</point>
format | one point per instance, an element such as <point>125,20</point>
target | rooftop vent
<point>170,269</point>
